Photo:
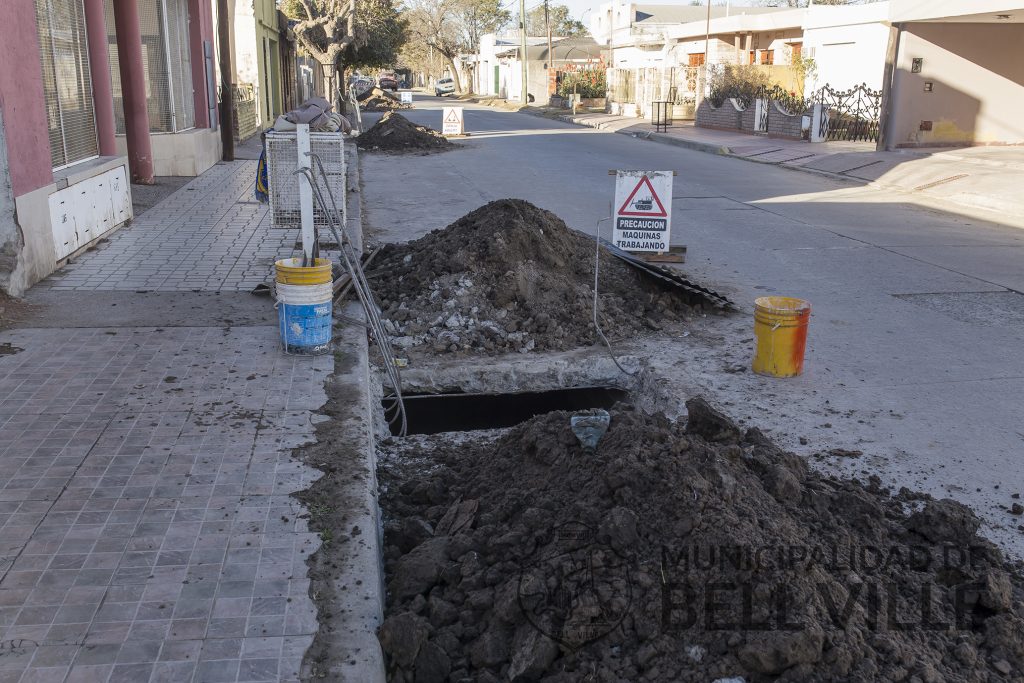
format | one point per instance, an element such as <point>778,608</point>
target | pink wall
<point>22,99</point>
<point>200,28</point>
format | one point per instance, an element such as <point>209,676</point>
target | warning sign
<point>643,210</point>
<point>451,121</point>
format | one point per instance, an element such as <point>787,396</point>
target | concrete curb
<point>348,583</point>
<point>697,145</point>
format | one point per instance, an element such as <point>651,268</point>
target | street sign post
<point>451,121</point>
<point>643,211</point>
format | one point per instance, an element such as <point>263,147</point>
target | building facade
<point>95,94</point>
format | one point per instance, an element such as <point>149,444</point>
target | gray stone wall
<point>783,125</point>
<point>10,233</point>
<point>726,117</point>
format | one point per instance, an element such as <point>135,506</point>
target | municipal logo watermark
<point>578,589</point>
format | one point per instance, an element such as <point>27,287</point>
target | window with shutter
<point>166,62</point>
<point>67,84</point>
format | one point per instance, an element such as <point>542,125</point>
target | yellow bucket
<point>780,325</point>
<point>290,271</point>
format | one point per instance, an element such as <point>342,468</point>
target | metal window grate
<point>166,62</point>
<point>180,62</point>
<point>282,162</point>
<point>67,84</point>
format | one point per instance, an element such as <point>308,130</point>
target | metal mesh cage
<point>282,162</point>
<point>67,84</point>
<point>166,62</point>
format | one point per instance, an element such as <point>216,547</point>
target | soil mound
<point>395,133</point>
<point>510,276</point>
<point>679,552</point>
<point>375,99</point>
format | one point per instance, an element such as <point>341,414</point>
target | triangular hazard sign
<point>453,116</point>
<point>641,207</point>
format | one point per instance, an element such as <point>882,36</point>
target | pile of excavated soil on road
<point>395,133</point>
<point>679,552</point>
<point>513,277</point>
<point>376,99</point>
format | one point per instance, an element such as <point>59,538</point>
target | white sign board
<point>643,210</point>
<point>405,97</point>
<point>451,121</point>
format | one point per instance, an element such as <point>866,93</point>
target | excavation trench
<point>682,547</point>
<point>460,412</point>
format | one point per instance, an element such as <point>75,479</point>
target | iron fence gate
<point>850,114</point>
<point>621,85</point>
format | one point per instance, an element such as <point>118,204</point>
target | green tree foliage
<point>342,34</point>
<point>586,82</point>
<point>384,29</point>
<point>476,18</point>
<point>562,23</point>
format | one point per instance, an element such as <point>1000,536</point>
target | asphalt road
<point>914,353</point>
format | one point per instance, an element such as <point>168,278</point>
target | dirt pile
<point>513,277</point>
<point>375,99</point>
<point>679,552</point>
<point>395,133</point>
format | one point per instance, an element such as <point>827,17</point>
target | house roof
<point>682,14</point>
<point>577,47</point>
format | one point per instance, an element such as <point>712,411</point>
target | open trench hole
<point>460,412</point>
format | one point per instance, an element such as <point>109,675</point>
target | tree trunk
<point>331,95</point>
<point>455,73</point>
<point>341,108</point>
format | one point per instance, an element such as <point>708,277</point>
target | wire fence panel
<point>282,162</point>
<point>67,83</point>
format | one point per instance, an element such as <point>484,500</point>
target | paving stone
<point>145,472</point>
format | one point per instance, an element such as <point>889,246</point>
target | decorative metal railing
<point>852,114</point>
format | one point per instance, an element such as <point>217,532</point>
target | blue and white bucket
<point>304,313</point>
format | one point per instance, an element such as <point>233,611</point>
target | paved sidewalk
<point>211,235</point>
<point>146,523</point>
<point>987,178</point>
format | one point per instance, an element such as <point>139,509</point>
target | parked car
<point>444,86</point>
<point>387,83</point>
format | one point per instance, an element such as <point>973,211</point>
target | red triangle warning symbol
<point>452,117</point>
<point>643,205</point>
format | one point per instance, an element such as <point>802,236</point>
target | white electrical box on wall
<point>87,210</point>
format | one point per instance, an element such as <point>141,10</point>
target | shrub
<point>586,82</point>
<point>740,82</point>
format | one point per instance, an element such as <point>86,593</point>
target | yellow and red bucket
<point>305,305</point>
<point>780,326</point>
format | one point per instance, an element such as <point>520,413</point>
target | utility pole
<point>703,80</point>
<point>547,27</point>
<point>522,50</point>
<point>226,77</point>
